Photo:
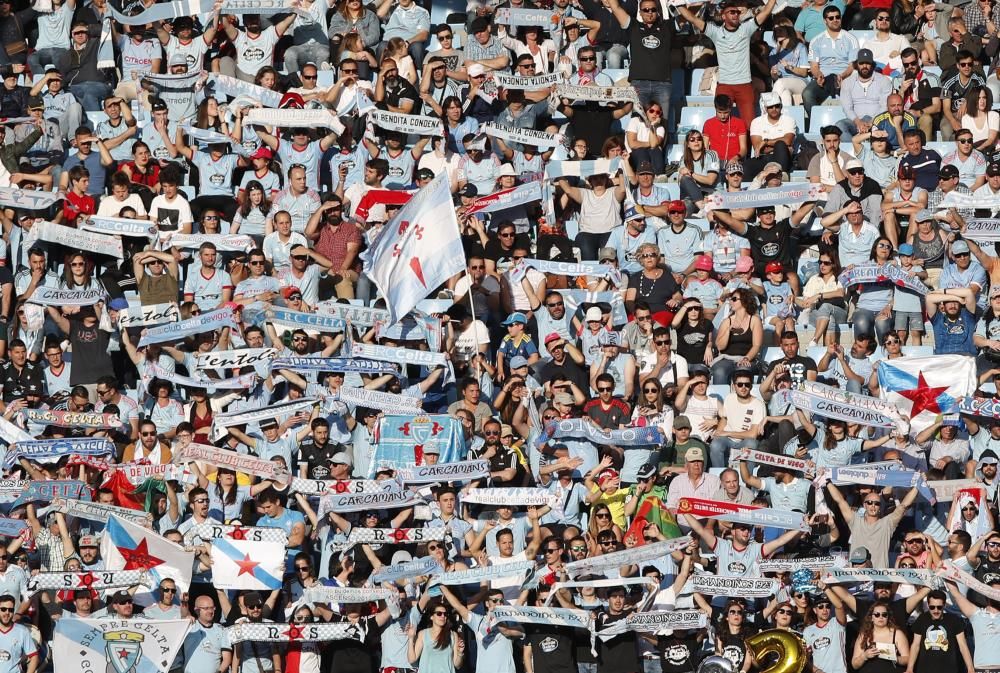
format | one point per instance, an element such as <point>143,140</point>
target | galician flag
<point>126,546</point>
<point>241,564</point>
<point>117,645</point>
<point>925,388</point>
<point>417,250</point>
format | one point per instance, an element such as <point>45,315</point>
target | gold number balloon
<point>790,648</point>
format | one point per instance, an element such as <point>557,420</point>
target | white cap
<point>477,69</point>
<point>852,164</point>
<point>507,169</point>
<point>593,314</point>
<point>769,98</point>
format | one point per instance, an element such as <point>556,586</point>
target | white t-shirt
<point>762,126</point>
<point>170,215</point>
<point>137,59</point>
<point>979,134</point>
<point>111,207</point>
<point>641,131</point>
<point>193,51</point>
<point>467,342</point>
<point>881,50</point>
<point>741,416</point>
<point>253,54</point>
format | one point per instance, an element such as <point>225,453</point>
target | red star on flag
<point>400,535</point>
<point>924,397</point>
<point>238,533</point>
<point>246,565</point>
<point>86,580</point>
<point>123,654</point>
<point>295,632</point>
<point>139,558</point>
<point>341,486</point>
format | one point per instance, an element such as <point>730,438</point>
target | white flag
<point>117,645</point>
<point>126,546</point>
<point>417,250</point>
<point>241,564</point>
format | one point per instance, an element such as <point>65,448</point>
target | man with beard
<point>551,318</point>
<point>855,187</point>
<point>392,92</point>
<point>955,322</point>
<point>863,94</point>
<point>316,452</point>
<point>564,359</point>
<point>984,625</point>
<point>254,47</point>
<point>549,649</point>
<point>985,569</point>
<point>504,465</point>
<point>939,642</point>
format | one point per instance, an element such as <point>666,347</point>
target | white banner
<point>48,296</point>
<point>636,555</point>
<point>533,83</point>
<point>222,242</point>
<point>513,497</point>
<point>539,139</point>
<point>289,118</point>
<point>74,238</point>
<point>138,315</point>
<point>734,586</point>
<point>235,359</point>
<point>117,226</point>
<point>429,474</point>
<point>420,125</point>
<point>232,87</point>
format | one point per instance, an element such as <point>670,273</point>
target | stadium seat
<point>824,115</point>
<point>696,75</point>
<point>798,113</point>
<point>694,117</point>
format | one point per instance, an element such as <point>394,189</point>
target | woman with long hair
<point>731,635</point>
<point>398,50</point>
<point>873,309</point>
<point>698,173</point>
<point>456,124</point>
<point>601,522</point>
<point>645,137</point>
<point>510,397</point>
<point>783,615</point>
<point>303,656</point>
<point>209,117</point>
<point>226,497</point>
<point>930,244</point>
<point>789,65</point>
<point>600,210</point>
<point>251,216</point>
<point>353,18</point>
<point>436,649</point>
<point>740,337</point>
<point>981,120</point>
<point>268,78</point>
<point>530,40</point>
<point>78,274</point>
<point>354,47</point>
<point>823,296</point>
<point>834,447</point>
<point>694,333</point>
<point>881,646</point>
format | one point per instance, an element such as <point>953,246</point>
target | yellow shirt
<point>615,502</point>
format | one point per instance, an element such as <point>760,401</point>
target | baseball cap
<point>563,398</point>
<point>552,339</point>
<point>52,69</point>
<point>518,361</point>
<point>506,431</point>
<point>425,174</point>
<point>906,249</point>
<point>480,23</point>
<point>703,263</point>
<point>774,267</point>
<point>178,59</point>
<point>865,56</point>
<point>771,168</point>
<point>159,105</point>
<point>35,102</point>
<point>907,172</point>
<point>516,318</point>
<point>645,167</point>
<point>676,206</point>
<point>342,458</point>
<point>761,210</point>
<point>989,457</point>
<point>947,172</point>
<point>682,422</point>
<point>744,264</point>
<point>694,453</point>
<point>507,170</point>
<point>593,314</point>
<point>734,167</point>
<point>469,190</point>
<point>854,164</point>
<point>89,541</point>
<point>121,596</point>
<point>606,254</point>
<point>268,423</point>
<point>476,69</point>
<point>289,291</point>
<point>646,471</point>
<point>432,448</point>
<point>923,215</point>
<point>252,599</point>
<point>118,304</point>
<point>859,555</point>
<point>263,152</point>
<point>959,247</point>
<point>769,99</point>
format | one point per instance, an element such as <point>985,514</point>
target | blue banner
<point>310,364</point>
<point>257,314</point>
<point>46,491</point>
<point>57,448</point>
<point>402,441</point>
<point>199,324</point>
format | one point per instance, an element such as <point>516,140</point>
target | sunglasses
<point>742,384</point>
<point>873,502</point>
<point>935,607</point>
<point>168,590</point>
<point>880,614</point>
<point>784,611</point>
<point>587,59</point>
<point>578,548</point>
<point>603,515</point>
<point>440,613</point>
<point>605,389</point>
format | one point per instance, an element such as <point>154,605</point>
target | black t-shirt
<point>348,655</point>
<point>618,654</point>
<point>17,383</point>
<point>691,341</point>
<point>678,653</point>
<point>317,458</point>
<point>90,352</point>
<point>650,49</point>
<point>547,371</point>
<point>734,647</point>
<point>656,292</point>
<point>987,571</point>
<point>939,643</point>
<point>769,245</point>
<point>798,366</point>
<point>552,649</point>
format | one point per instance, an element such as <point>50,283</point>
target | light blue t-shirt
<point>732,47</point>
<point>793,496</point>
<point>493,656</point>
<point>827,645</point>
<point>216,177</point>
<point>16,644</point>
<point>985,627</point>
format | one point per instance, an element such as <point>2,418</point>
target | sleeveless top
<point>202,424</point>
<point>932,252</point>
<point>878,665</point>
<point>599,214</point>
<point>734,648</point>
<point>741,343</point>
<point>433,660</point>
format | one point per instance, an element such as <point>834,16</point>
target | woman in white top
<point>600,210</point>
<point>529,41</point>
<point>120,198</point>
<point>645,139</point>
<point>983,123</point>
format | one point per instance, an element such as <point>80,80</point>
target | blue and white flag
<point>578,427</point>
<point>312,364</point>
<point>117,645</point>
<point>925,388</point>
<point>126,546</point>
<point>574,298</point>
<point>242,564</point>
<point>582,169</point>
<point>406,570</point>
<point>418,250</point>
<point>257,314</point>
<point>403,441</point>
